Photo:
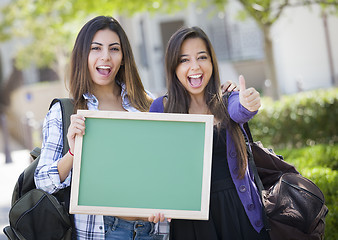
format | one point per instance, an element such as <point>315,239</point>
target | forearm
<point>64,166</point>
<point>237,112</point>
<point>46,175</point>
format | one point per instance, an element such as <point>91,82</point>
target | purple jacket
<point>246,189</point>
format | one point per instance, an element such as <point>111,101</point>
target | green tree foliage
<point>49,27</point>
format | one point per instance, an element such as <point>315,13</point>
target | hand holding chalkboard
<point>155,218</point>
<point>77,126</point>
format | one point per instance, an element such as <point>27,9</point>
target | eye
<point>95,48</point>
<point>183,60</point>
<point>115,49</point>
<point>203,57</point>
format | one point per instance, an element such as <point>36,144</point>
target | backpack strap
<point>248,132</point>
<point>253,168</point>
<point>252,165</point>
<point>67,109</point>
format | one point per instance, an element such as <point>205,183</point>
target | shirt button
<point>94,100</point>
<point>242,188</point>
<point>258,223</point>
<point>100,227</point>
<point>233,154</point>
<point>251,207</point>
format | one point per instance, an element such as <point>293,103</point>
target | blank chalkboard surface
<point>137,164</point>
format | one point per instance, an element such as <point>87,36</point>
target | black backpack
<point>294,207</point>
<point>35,214</point>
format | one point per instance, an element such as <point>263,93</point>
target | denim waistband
<point>139,225</point>
<point>223,184</point>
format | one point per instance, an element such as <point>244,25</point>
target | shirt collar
<point>93,103</point>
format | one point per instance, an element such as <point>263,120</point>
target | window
<point>236,41</point>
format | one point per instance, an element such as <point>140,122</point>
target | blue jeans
<point>119,229</point>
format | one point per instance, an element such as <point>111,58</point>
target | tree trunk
<point>3,119</point>
<point>4,127</point>
<point>61,68</point>
<point>329,48</point>
<point>271,83</point>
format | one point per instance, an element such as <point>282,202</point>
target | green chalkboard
<point>136,164</point>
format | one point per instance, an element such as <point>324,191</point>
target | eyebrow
<point>184,55</point>
<point>115,43</point>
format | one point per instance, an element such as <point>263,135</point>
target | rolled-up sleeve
<point>46,175</point>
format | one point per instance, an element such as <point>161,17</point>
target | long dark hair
<point>80,81</point>
<point>179,99</point>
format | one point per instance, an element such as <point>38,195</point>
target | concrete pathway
<point>9,174</point>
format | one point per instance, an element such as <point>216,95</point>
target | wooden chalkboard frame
<point>96,120</point>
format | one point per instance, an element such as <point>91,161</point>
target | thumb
<point>241,83</point>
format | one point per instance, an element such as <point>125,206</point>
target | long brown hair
<point>179,99</point>
<point>80,81</point>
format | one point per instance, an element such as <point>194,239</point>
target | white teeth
<point>196,76</point>
<point>104,67</point>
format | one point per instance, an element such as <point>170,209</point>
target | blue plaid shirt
<point>47,175</point>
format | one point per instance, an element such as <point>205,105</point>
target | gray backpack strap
<point>9,233</point>
<point>67,109</point>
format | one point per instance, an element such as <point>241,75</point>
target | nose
<point>105,55</point>
<point>194,65</point>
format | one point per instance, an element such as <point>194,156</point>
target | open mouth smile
<point>195,81</point>
<point>104,70</point>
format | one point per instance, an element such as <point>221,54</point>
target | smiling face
<point>105,57</point>
<point>195,67</point>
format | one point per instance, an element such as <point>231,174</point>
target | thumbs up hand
<point>248,98</point>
